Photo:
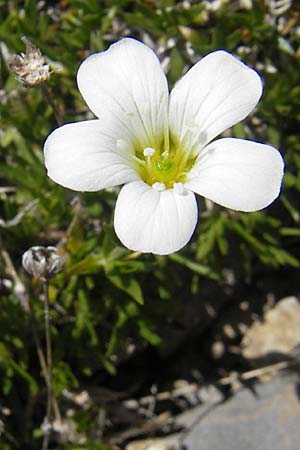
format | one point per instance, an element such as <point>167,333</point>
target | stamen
<point>159,186</point>
<point>138,160</point>
<point>165,154</point>
<point>148,152</point>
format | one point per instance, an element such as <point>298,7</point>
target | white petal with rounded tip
<point>216,93</point>
<point>238,174</point>
<point>84,156</point>
<point>159,222</point>
<point>126,83</point>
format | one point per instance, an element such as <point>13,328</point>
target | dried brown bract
<point>30,68</point>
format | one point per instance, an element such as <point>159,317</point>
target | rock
<point>279,332</point>
<point>147,444</point>
<point>266,420</point>
<point>266,417</point>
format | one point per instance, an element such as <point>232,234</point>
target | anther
<point>159,186</point>
<point>148,152</point>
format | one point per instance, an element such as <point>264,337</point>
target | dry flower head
<point>42,262</point>
<point>30,68</point>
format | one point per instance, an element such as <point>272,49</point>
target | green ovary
<point>167,167</point>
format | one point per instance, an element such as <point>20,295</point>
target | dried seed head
<point>30,68</point>
<point>42,262</point>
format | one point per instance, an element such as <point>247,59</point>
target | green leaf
<point>63,378</point>
<point>194,266</point>
<point>129,285</point>
<point>146,332</point>
<point>91,264</point>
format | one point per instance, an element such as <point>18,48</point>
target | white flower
<point>159,146</point>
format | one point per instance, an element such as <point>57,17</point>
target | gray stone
<point>268,419</point>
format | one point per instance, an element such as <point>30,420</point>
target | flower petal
<point>83,156</point>
<point>238,174</point>
<point>126,82</point>
<point>216,93</point>
<point>149,220</point>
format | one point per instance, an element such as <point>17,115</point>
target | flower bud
<point>30,68</point>
<point>42,262</point>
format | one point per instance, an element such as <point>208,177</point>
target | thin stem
<point>39,350</point>
<point>49,98</point>
<point>42,360</point>
<point>49,365</point>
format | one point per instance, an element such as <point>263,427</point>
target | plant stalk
<point>49,365</point>
<point>42,361</point>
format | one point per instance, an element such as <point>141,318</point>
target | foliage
<point>108,300</point>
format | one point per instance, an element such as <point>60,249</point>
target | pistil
<point>163,168</point>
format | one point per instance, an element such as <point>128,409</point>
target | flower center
<point>164,168</point>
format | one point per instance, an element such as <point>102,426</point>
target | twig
<point>256,372</point>
<point>19,288</point>
<point>193,388</point>
<point>17,219</point>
